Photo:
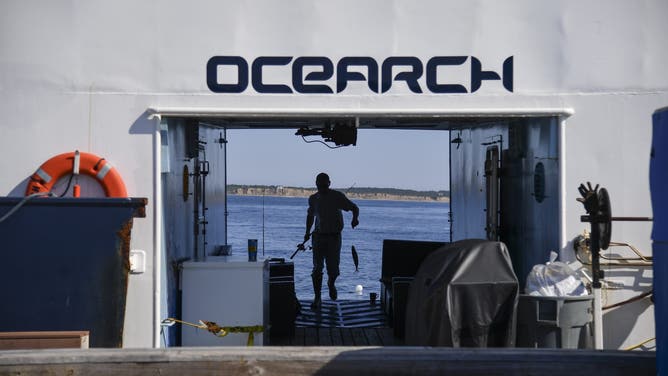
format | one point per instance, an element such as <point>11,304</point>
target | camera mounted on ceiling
<point>340,132</point>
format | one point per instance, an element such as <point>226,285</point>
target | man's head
<point>322,182</point>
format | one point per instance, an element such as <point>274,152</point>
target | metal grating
<point>341,314</point>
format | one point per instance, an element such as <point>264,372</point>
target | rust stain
<point>140,211</point>
<point>124,236</point>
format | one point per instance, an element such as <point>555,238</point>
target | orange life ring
<point>89,164</point>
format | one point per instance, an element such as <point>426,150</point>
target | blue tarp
<point>658,172</point>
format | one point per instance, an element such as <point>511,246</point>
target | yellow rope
<point>640,344</point>
<point>222,331</point>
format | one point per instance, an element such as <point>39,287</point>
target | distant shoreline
<point>387,194</point>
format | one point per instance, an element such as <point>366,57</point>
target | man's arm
<point>348,205</point>
<point>356,213</point>
<point>309,221</point>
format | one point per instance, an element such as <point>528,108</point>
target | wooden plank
<point>371,321</point>
<point>44,340</point>
<point>298,338</point>
<point>324,337</point>
<point>311,337</point>
<point>347,337</point>
<point>329,360</point>
<point>359,339</point>
<point>335,334</point>
<point>387,337</point>
<point>279,341</point>
<point>372,337</point>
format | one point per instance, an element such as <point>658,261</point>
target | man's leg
<point>316,274</point>
<point>333,258</point>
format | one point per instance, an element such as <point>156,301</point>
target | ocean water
<point>279,225</point>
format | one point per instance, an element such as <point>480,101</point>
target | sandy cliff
<point>359,193</point>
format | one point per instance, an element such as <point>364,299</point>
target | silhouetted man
<point>325,207</point>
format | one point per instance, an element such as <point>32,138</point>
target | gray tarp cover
<point>464,295</point>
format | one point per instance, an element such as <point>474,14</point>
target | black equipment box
<point>283,303</point>
<point>278,267</point>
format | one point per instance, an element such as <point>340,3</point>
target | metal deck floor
<point>341,314</point>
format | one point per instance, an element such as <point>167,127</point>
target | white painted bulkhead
<point>82,75</point>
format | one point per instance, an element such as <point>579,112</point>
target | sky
<point>407,159</point>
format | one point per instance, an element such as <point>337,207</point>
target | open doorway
<point>494,164</point>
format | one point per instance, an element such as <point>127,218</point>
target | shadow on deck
<point>340,323</point>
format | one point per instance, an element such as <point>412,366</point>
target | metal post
<point>596,284</point>
<point>225,172</point>
<point>157,231</point>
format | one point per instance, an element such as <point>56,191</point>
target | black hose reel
<point>597,204</point>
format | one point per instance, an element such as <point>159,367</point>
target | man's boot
<point>317,286</point>
<point>332,288</point>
